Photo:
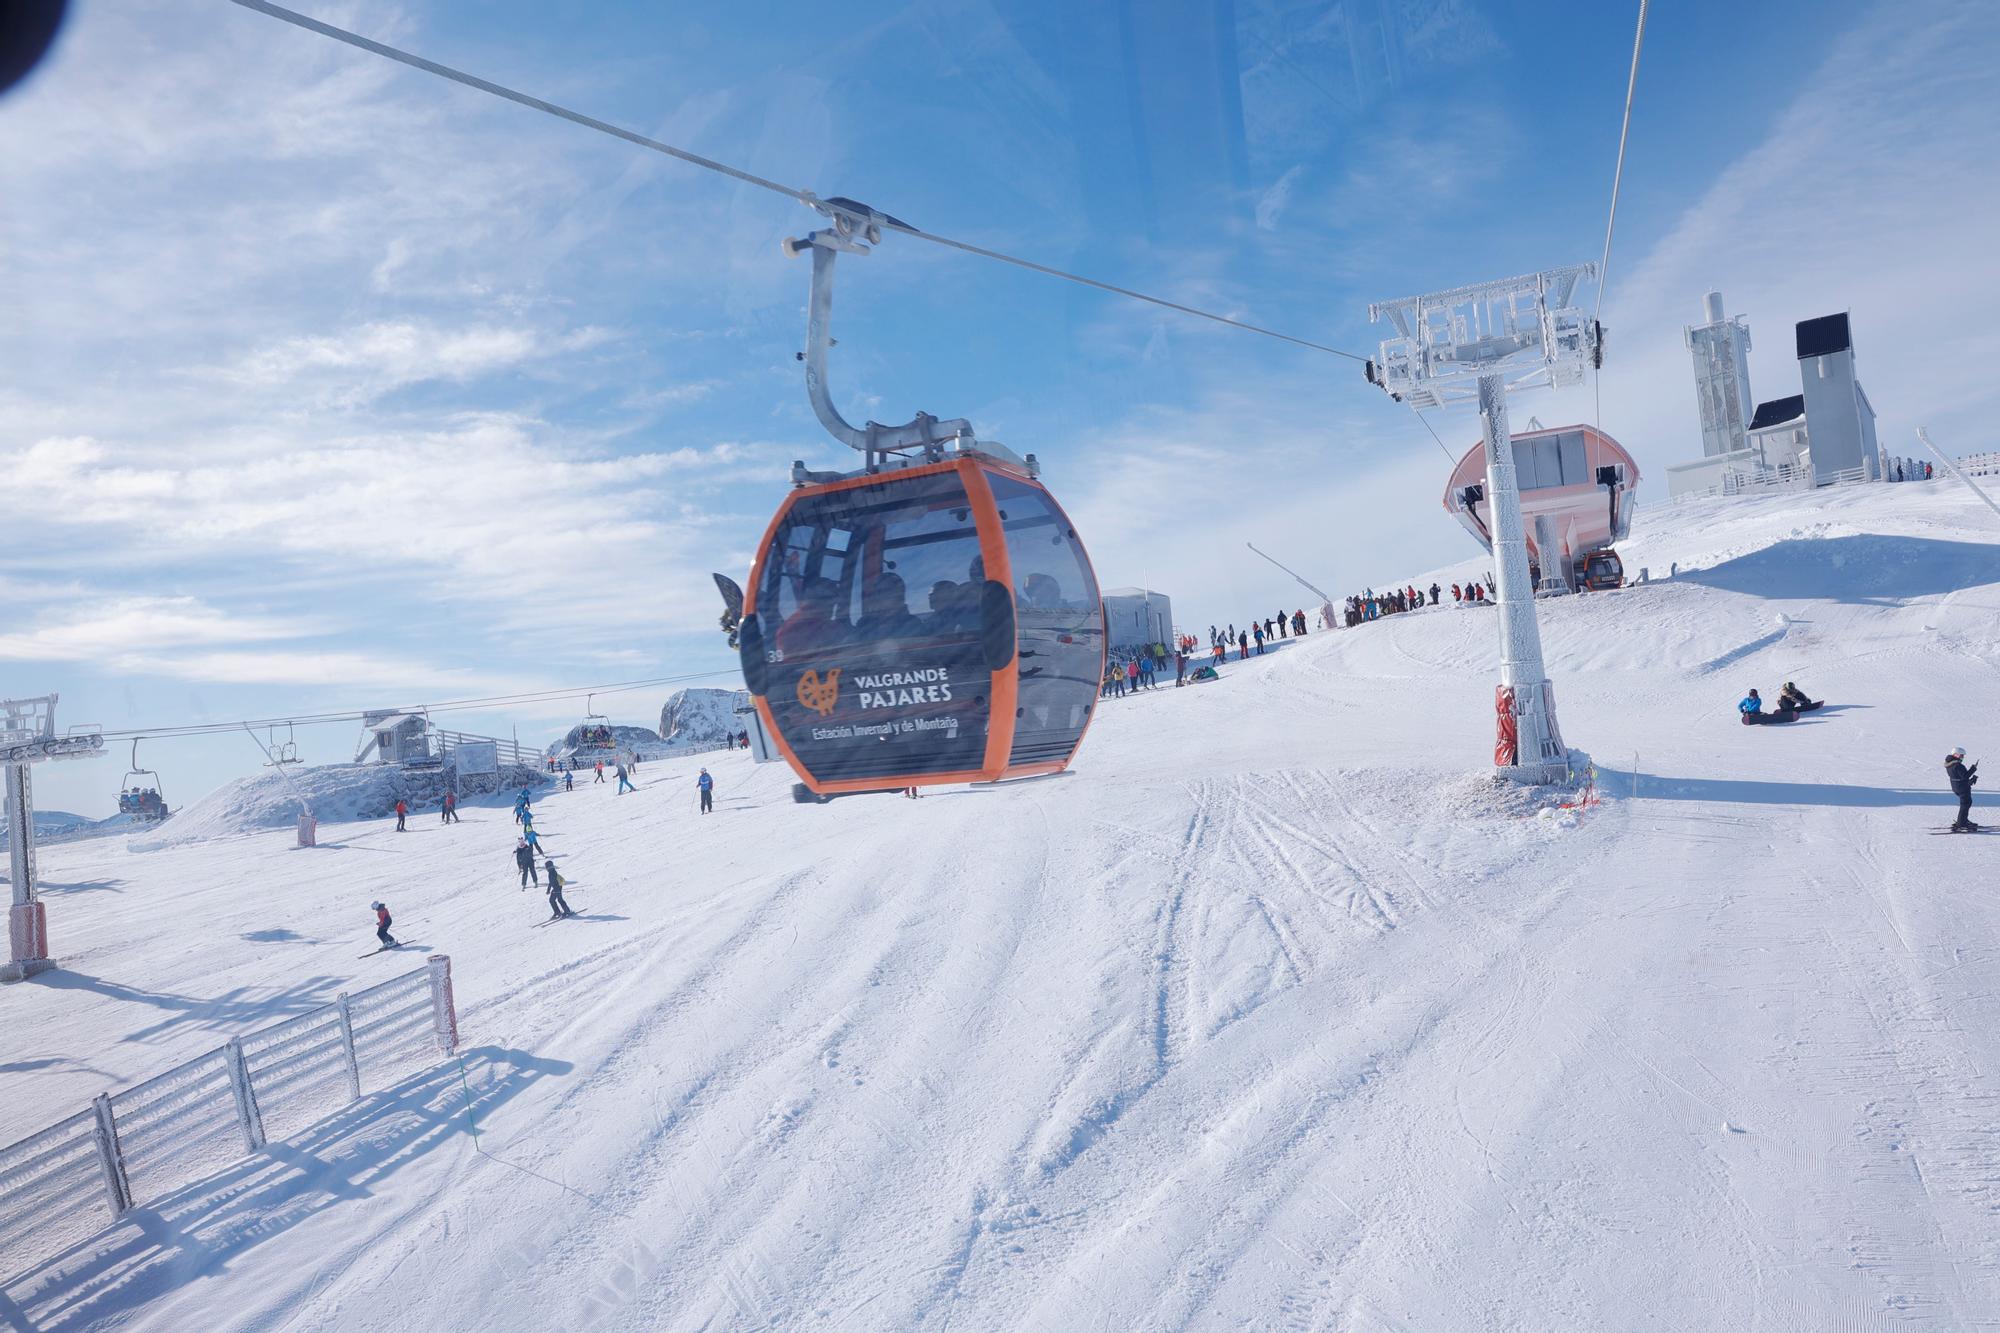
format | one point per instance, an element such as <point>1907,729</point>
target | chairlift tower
<point>28,736</point>
<point>1476,344</point>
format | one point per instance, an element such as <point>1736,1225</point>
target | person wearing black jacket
<point>524,857</point>
<point>1794,697</point>
<point>1961,777</point>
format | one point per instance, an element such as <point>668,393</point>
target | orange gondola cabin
<point>927,623</point>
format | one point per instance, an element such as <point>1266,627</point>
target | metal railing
<point>65,1183</point>
<point>509,752</point>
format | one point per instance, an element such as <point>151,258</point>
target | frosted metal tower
<point>28,736</point>
<point>1721,349</point>
<point>1475,344</point>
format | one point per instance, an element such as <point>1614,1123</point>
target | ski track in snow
<point>1274,1014</point>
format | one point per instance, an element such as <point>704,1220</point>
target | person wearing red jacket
<point>382,920</point>
<point>450,807</point>
<point>402,809</point>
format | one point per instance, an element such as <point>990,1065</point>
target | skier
<point>520,805</point>
<point>524,857</point>
<point>1962,776</point>
<point>402,809</point>
<point>1259,636</point>
<point>450,808</point>
<point>1180,668</point>
<point>569,779</point>
<point>1434,594</point>
<point>600,770</point>
<point>706,785</point>
<point>558,905</point>
<point>533,839</point>
<point>382,920</point>
<point>1457,595</point>
<point>624,781</point>
<point>1243,646</point>
<point>1795,697</point>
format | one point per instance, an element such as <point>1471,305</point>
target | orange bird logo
<point>820,695</point>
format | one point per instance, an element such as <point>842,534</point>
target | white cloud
<point>96,631</point>
<point>365,362</point>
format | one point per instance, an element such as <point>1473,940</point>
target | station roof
<point>1824,336</point>
<point>1779,411</point>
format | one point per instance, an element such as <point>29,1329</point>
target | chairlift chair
<point>281,752</point>
<point>594,732</point>
<point>143,800</point>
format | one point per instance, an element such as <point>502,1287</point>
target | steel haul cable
<point>473,81</point>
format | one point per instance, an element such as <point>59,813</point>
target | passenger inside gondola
<point>885,610</point>
<point>813,627</point>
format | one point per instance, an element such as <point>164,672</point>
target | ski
<point>552,920</point>
<point>1946,832</point>
<point>384,949</point>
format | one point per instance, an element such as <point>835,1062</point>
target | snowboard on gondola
<point>732,605</point>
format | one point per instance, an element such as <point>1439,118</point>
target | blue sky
<point>332,385</point>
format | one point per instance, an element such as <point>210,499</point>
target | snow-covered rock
<point>336,792</point>
<point>699,719</point>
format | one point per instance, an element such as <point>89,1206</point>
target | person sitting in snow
<point>1794,697</point>
<point>1752,709</point>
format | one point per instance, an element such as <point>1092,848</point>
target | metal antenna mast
<point>1474,344</point>
<point>28,736</point>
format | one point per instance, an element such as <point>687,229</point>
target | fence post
<point>347,1042</point>
<point>247,1118</point>
<point>117,1189</point>
<point>443,1012</point>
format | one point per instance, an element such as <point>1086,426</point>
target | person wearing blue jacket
<point>707,786</point>
<point>1752,709</point>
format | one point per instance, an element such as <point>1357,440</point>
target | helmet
<point>376,906</point>
<point>1959,753</point>
<point>1790,686</point>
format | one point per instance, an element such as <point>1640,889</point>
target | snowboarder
<point>524,857</point>
<point>1961,776</point>
<point>1752,709</point>
<point>1259,636</point>
<point>450,808</point>
<point>624,782</point>
<point>1434,594</point>
<point>1243,646</point>
<point>569,779</point>
<point>402,809</point>
<point>1794,697</point>
<point>706,785</point>
<point>382,921</point>
<point>558,905</point>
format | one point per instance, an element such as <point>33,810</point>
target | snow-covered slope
<point>1275,1013</point>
